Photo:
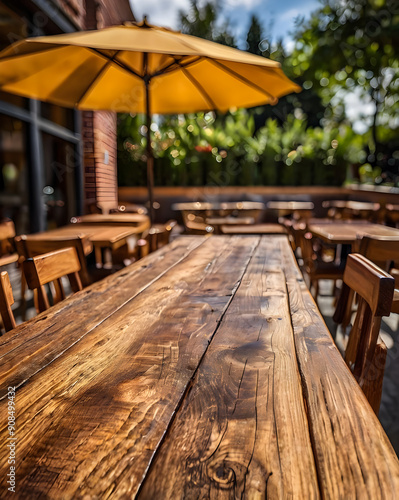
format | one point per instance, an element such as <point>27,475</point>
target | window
<point>14,198</point>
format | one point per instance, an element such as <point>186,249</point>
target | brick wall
<point>99,128</point>
<point>74,9</point>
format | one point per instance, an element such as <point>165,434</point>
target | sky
<point>279,14</point>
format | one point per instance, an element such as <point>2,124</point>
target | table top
<point>227,205</point>
<point>141,220</point>
<point>229,221</point>
<point>295,206</point>
<point>349,232</point>
<point>352,205</point>
<point>254,229</point>
<point>202,371</point>
<point>97,233</point>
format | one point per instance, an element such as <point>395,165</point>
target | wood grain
<point>90,422</point>
<point>193,343</point>
<point>347,437</point>
<point>242,431</point>
<point>36,343</point>
<point>350,233</point>
<point>6,301</point>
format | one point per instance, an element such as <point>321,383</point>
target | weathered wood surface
<point>136,219</point>
<point>242,431</point>
<point>354,458</point>
<point>254,229</point>
<point>349,233</point>
<point>111,398</point>
<point>192,343</point>
<point>38,342</point>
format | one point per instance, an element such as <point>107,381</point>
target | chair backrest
<point>7,232</point>
<point>6,301</point>
<point>380,250</point>
<point>156,237</point>
<point>28,248</point>
<point>365,353</point>
<point>50,268</point>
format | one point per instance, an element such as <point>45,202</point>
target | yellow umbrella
<point>140,68</point>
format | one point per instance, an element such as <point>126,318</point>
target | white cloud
<point>359,110</point>
<point>246,4</point>
<point>159,13</point>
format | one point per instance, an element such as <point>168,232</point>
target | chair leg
<point>316,290</point>
<point>23,295</point>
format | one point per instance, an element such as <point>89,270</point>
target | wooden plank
<point>28,348</point>
<point>91,420</point>
<point>342,232</point>
<point>254,229</point>
<point>242,431</point>
<point>354,457</point>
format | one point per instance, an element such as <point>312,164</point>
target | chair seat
<point>9,259</point>
<point>328,270</point>
<point>395,302</point>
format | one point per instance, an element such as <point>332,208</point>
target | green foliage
<point>347,47</point>
<point>205,149</point>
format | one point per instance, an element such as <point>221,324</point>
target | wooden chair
<point>199,228</point>
<point>129,208</point>
<point>7,251</point>
<point>6,301</point>
<point>156,237</point>
<point>28,248</point>
<point>314,266</point>
<point>50,268</point>
<point>383,251</point>
<point>365,352</point>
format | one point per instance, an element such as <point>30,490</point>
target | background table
<point>140,221</point>
<point>350,232</point>
<point>218,213</point>
<point>202,371</point>
<point>296,209</point>
<point>103,237</point>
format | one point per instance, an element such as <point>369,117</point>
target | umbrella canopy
<point>140,68</point>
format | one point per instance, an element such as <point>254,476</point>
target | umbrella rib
<point>117,63</point>
<point>175,64</point>
<point>201,89</point>
<point>98,75</point>
<point>242,78</point>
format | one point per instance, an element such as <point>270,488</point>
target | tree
<point>202,22</point>
<point>255,36</point>
<point>349,46</point>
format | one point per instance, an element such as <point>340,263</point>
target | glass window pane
<point>14,197</point>
<point>59,192</point>
<point>58,115</point>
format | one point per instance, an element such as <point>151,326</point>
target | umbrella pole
<point>150,155</point>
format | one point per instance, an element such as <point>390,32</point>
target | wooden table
<point>218,213</point>
<point>392,213</point>
<point>349,232</point>
<point>225,207</point>
<point>141,221</point>
<point>348,209</point>
<point>105,238</point>
<point>254,229</point>
<point>202,371</point>
<point>297,209</point>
